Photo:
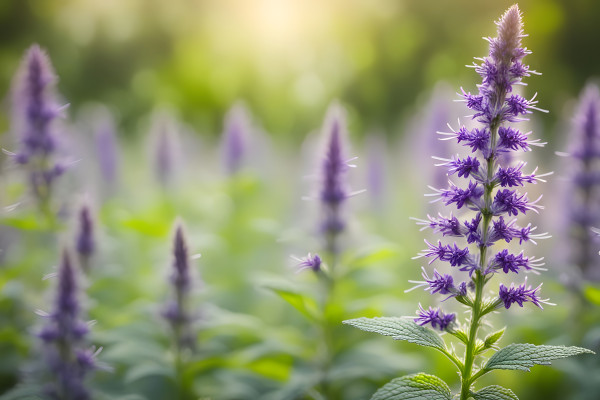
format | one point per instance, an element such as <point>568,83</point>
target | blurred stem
<point>327,283</point>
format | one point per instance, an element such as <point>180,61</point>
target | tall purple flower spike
<point>165,149</point>
<point>491,190</point>
<point>63,335</point>
<point>334,189</point>
<point>583,212</point>
<point>177,311</point>
<point>85,242</point>
<point>35,110</point>
<point>235,138</point>
<point>107,148</point>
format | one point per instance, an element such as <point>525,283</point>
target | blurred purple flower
<point>63,336</point>
<point>236,136</point>
<point>164,149</point>
<point>176,311</point>
<point>85,243</point>
<point>107,148</point>
<point>35,110</point>
<point>334,189</point>
<point>583,212</point>
<point>309,262</point>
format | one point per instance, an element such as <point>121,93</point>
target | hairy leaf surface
<point>523,356</point>
<point>417,386</point>
<point>494,392</point>
<point>399,329</point>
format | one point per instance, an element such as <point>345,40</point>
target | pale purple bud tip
<point>507,46</point>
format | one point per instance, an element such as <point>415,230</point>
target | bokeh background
<point>395,66</point>
<point>288,59</point>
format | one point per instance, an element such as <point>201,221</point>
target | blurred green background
<point>288,58</point>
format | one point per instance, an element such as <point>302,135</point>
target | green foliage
<point>493,338</point>
<point>524,356</point>
<point>301,302</point>
<point>417,386</point>
<point>399,329</point>
<point>494,392</point>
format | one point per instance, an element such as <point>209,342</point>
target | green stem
<point>328,286</point>
<point>470,348</point>
<point>477,312</point>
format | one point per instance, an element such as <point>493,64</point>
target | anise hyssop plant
<point>492,196</point>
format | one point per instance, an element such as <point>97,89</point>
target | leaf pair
<point>422,386</point>
<point>429,387</point>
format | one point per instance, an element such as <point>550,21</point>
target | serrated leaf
<point>399,329</point>
<point>417,386</point>
<point>523,356</point>
<point>494,392</point>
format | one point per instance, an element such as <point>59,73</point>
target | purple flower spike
<point>181,263</point>
<point>85,243</point>
<point>334,188</point>
<point>166,152</point>
<point>490,188</point>
<point>176,311</point>
<point>63,336</point>
<point>584,178</point>
<point>35,110</point>
<point>107,148</point>
<point>235,138</point>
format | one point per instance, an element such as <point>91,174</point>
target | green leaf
<point>363,258</point>
<point>142,371</point>
<point>524,356</point>
<point>494,392</point>
<point>399,329</point>
<point>306,305</point>
<point>417,386</point>
<point>592,294</point>
<point>492,338</point>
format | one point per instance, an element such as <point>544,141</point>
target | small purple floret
<point>435,317</point>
